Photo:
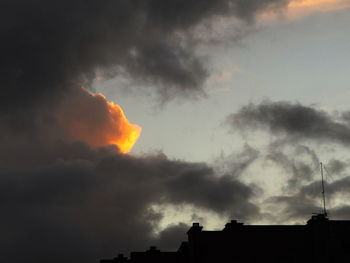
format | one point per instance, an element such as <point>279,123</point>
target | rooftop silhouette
<point>320,240</point>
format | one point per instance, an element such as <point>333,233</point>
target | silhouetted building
<point>154,255</point>
<point>320,240</point>
<point>120,259</point>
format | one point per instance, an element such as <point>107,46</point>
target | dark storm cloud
<point>49,47</point>
<point>61,200</point>
<point>212,192</point>
<point>292,120</point>
<point>172,236</point>
<point>82,210</point>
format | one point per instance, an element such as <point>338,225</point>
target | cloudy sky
<point>122,122</point>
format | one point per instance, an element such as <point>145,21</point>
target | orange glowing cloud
<point>301,8</point>
<point>91,118</point>
<point>128,133</point>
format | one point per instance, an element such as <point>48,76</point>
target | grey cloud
<point>332,188</point>
<point>171,66</point>
<point>294,208</point>
<point>80,210</point>
<point>292,120</point>
<point>293,126</point>
<point>300,165</point>
<point>308,199</point>
<point>301,194</point>
<point>340,186</point>
<point>336,167</point>
<point>236,164</point>
<point>342,212</point>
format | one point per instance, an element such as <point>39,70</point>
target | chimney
<point>232,225</point>
<point>153,249</point>
<point>196,228</point>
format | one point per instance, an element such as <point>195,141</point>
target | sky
<point>122,122</point>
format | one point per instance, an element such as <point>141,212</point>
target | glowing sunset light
<point>128,133</point>
<point>304,6</point>
<point>312,3</point>
<point>301,8</point>
<point>92,119</point>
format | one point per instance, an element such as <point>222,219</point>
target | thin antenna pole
<point>323,193</point>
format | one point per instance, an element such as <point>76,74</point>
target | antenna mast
<point>323,193</point>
